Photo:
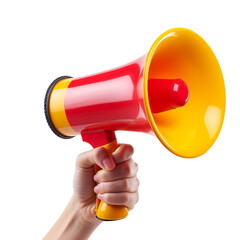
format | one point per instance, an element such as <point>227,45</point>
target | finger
<point>99,156</point>
<point>126,199</point>
<point>122,185</point>
<point>126,169</point>
<point>122,153</point>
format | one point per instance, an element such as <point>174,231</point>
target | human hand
<point>117,181</point>
<point>117,185</point>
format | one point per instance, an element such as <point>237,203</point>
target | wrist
<point>72,224</point>
<point>84,216</point>
<point>82,225</point>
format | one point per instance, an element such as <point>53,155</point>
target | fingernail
<point>96,178</point>
<point>108,164</point>
<point>96,189</point>
<point>100,196</point>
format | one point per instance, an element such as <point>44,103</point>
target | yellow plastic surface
<point>105,211</point>
<point>110,213</point>
<point>57,109</point>
<point>191,130</point>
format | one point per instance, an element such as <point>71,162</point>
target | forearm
<point>71,225</point>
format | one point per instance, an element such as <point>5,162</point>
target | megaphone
<point>175,92</point>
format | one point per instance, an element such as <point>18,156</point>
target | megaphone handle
<point>105,211</point>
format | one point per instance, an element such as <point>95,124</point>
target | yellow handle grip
<point>105,211</point>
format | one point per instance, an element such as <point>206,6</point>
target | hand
<point>118,183</point>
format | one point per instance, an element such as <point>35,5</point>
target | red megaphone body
<point>110,101</point>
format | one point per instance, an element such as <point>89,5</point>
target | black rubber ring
<point>106,220</point>
<point>46,107</point>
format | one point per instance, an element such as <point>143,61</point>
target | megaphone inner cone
<point>167,94</point>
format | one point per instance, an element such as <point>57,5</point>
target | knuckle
<point>134,185</point>
<point>135,168</point>
<point>137,197</point>
<point>129,150</point>
<point>79,159</point>
<point>125,184</point>
<point>98,153</point>
<point>127,169</point>
<point>79,156</point>
<point>125,198</point>
<point>132,172</point>
<point>138,182</point>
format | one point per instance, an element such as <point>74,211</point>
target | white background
<point>41,40</point>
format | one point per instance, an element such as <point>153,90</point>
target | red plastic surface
<point>167,94</point>
<point>97,139</point>
<point>111,100</point>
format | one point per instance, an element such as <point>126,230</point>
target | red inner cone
<point>167,94</point>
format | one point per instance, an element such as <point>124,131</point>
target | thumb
<point>99,156</point>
